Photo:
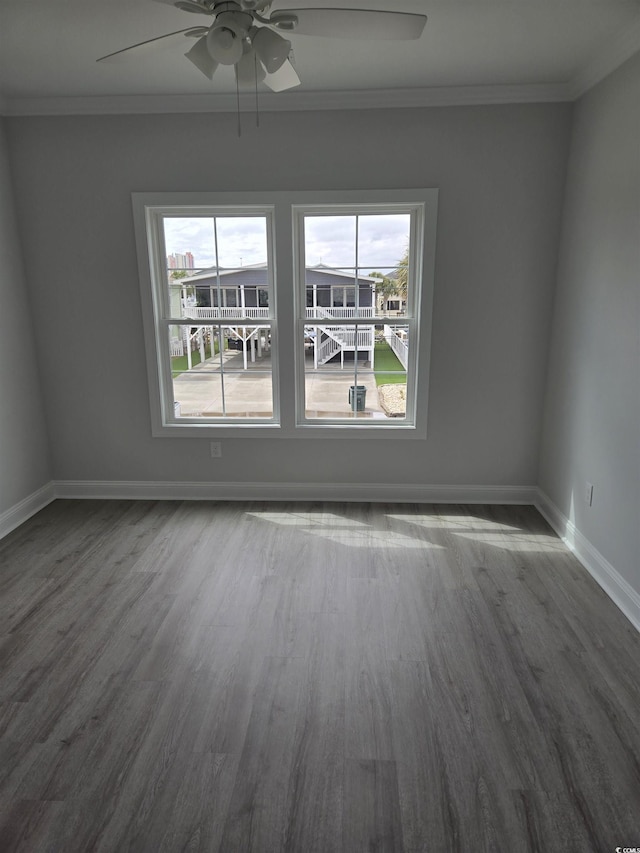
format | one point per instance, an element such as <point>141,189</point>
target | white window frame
<point>411,319</point>
<point>287,304</point>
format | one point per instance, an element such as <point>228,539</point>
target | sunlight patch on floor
<point>371,538</point>
<point>451,522</point>
<point>534,542</point>
<point>343,531</point>
<point>295,519</point>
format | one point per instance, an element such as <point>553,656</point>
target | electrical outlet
<point>588,494</point>
<point>216,449</point>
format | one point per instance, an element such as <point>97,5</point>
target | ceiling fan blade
<point>367,24</point>
<point>282,79</point>
<point>254,5</point>
<point>150,45</point>
<point>187,6</point>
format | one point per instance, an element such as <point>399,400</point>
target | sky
<point>329,240</point>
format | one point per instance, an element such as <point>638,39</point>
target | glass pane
<point>205,288</point>
<point>382,239</point>
<point>355,372</point>
<point>189,242</point>
<point>330,241</point>
<point>242,241</point>
<point>221,372</point>
<point>248,394</point>
<point>190,246</point>
<point>197,395</point>
<point>390,368</point>
<point>332,293</point>
<point>379,266</point>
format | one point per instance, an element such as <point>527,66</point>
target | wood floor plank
<point>194,820</point>
<point>372,822</point>
<point>549,819</point>
<point>420,782</point>
<point>236,677</point>
<point>316,783</point>
<point>26,825</point>
<point>259,809</point>
<point>156,775</point>
<point>368,704</point>
<point>228,677</point>
<point>572,703</point>
<point>56,536</point>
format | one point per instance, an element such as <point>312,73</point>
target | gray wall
<point>501,174</point>
<point>24,453</point>
<point>592,411</point>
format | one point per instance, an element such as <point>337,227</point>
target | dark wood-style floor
<point>332,677</point>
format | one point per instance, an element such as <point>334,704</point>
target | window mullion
<point>286,312</point>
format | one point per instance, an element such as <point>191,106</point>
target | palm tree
<point>397,283</point>
<point>402,275</point>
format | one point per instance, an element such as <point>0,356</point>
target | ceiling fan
<point>246,34</point>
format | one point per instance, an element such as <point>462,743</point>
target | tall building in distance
<point>178,261</point>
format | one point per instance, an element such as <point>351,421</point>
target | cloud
<point>330,240</point>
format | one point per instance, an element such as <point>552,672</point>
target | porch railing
<point>203,313</point>
<point>399,346</point>
<point>362,339</point>
<point>320,313</point>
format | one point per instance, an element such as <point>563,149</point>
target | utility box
<point>357,397</point>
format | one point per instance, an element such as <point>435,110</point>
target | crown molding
<point>444,96</point>
<point>622,47</point>
<point>617,51</point>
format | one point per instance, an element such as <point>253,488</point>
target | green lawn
<point>388,370</point>
<point>179,362</point>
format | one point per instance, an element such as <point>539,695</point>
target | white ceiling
<point>526,49</point>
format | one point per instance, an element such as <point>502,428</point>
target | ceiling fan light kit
<point>259,53</point>
<point>226,36</point>
<point>273,50</point>
<point>201,58</point>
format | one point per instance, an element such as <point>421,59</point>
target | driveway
<point>248,393</point>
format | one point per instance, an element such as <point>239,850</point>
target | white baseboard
<point>24,509</point>
<point>376,492</point>
<point>623,595</point>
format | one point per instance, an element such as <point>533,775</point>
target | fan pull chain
<point>238,107</point>
<point>255,67</point>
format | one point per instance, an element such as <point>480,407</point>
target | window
<point>360,255</point>
<point>307,314</point>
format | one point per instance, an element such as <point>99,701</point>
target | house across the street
<point>243,294</point>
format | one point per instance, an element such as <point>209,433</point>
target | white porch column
<point>201,345</point>
<point>244,351</point>
<point>187,330</point>
<point>252,345</point>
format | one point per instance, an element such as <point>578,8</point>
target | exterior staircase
<point>335,339</point>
